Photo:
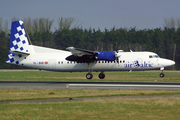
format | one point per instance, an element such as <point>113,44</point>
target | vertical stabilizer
<point>19,45</point>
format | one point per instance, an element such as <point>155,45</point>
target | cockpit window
<point>153,56</point>
<point>156,56</point>
<point>150,56</point>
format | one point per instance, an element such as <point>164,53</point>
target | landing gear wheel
<point>101,75</point>
<point>89,76</point>
<point>161,75</point>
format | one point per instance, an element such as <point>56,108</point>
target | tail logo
<point>18,39</point>
<point>18,43</point>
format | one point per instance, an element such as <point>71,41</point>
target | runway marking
<point>120,85</point>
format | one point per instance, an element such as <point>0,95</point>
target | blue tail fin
<point>19,45</point>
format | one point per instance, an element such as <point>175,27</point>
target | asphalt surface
<point>89,85</point>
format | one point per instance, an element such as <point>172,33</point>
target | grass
<point>115,109</point>
<point>135,76</point>
<point>28,94</point>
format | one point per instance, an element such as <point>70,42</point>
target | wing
<point>81,55</point>
<point>81,52</point>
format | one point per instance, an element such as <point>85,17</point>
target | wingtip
<point>70,48</point>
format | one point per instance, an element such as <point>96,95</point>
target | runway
<point>88,85</point>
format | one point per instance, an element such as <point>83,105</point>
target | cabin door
<point>52,64</point>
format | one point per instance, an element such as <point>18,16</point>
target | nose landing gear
<point>161,74</point>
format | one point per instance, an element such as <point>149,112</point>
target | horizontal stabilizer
<point>19,52</point>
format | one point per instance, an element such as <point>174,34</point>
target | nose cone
<point>173,63</point>
<point>166,62</point>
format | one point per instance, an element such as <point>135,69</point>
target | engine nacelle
<point>105,55</point>
<point>84,58</point>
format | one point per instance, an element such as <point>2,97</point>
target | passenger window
<point>150,56</point>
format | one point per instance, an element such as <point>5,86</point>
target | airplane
<point>23,53</point>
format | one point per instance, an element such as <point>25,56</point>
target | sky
<point>95,14</point>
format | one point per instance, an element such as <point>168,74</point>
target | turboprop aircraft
<point>23,53</point>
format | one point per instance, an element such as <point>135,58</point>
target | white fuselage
<point>54,60</point>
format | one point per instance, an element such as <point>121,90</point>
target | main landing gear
<point>90,76</point>
<point>101,75</point>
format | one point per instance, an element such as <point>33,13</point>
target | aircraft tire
<point>89,76</point>
<point>161,75</point>
<point>101,75</point>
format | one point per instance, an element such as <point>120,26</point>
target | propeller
<point>117,57</point>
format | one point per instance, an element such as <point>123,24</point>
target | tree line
<point>163,41</point>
